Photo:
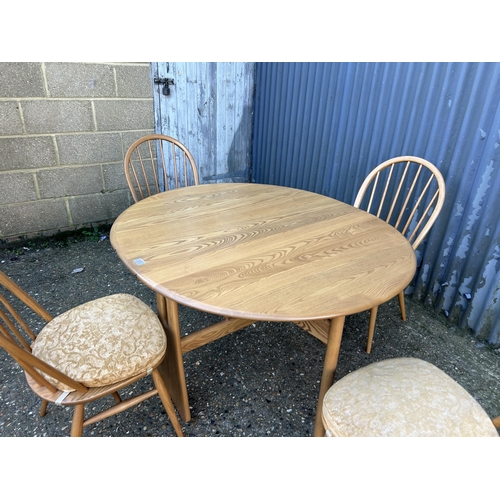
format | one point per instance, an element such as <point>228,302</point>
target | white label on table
<point>139,262</point>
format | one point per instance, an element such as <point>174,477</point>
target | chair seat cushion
<point>402,397</point>
<point>103,341</point>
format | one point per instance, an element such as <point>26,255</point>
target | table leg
<point>329,367</point>
<point>172,367</point>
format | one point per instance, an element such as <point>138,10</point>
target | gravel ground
<point>260,381</point>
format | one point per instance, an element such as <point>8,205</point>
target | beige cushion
<point>103,341</point>
<point>402,397</point>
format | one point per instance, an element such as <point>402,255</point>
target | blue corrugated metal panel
<point>324,126</point>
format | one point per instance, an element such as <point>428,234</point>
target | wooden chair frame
<point>412,209</point>
<point>15,335</point>
<point>154,161</point>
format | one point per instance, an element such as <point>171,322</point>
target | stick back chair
<point>403,397</point>
<point>407,192</point>
<point>86,353</point>
<point>156,163</point>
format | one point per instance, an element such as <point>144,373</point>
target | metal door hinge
<point>165,82</point>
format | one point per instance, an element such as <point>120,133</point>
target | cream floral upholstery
<point>103,341</point>
<point>402,397</point>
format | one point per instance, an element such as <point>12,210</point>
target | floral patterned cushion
<point>103,341</point>
<point>402,397</point>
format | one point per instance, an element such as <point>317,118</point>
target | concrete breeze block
<point>80,80</point>
<point>114,177</point>
<point>98,207</point>
<point>27,153</point>
<point>134,81</point>
<point>80,149</point>
<point>54,116</point>
<point>10,119</point>
<point>17,187</point>
<point>21,79</point>
<point>69,181</point>
<point>124,115</point>
<point>30,218</point>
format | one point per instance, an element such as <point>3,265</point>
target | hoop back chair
<point>407,192</point>
<point>156,163</point>
<point>403,397</point>
<point>86,353</point>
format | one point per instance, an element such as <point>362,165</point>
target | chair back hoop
<point>156,163</point>
<point>16,336</point>
<point>407,192</point>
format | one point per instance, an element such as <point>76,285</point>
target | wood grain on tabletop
<point>263,251</point>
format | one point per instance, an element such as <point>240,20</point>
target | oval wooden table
<point>251,252</point>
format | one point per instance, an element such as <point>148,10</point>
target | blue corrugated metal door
<point>209,108</point>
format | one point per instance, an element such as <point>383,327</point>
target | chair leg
<point>401,299</point>
<point>167,401</point>
<point>371,328</point>
<point>77,425</point>
<point>43,407</point>
<point>117,397</point>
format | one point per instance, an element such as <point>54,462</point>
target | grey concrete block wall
<point>64,131</point>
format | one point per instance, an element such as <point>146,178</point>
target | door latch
<point>165,82</point>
